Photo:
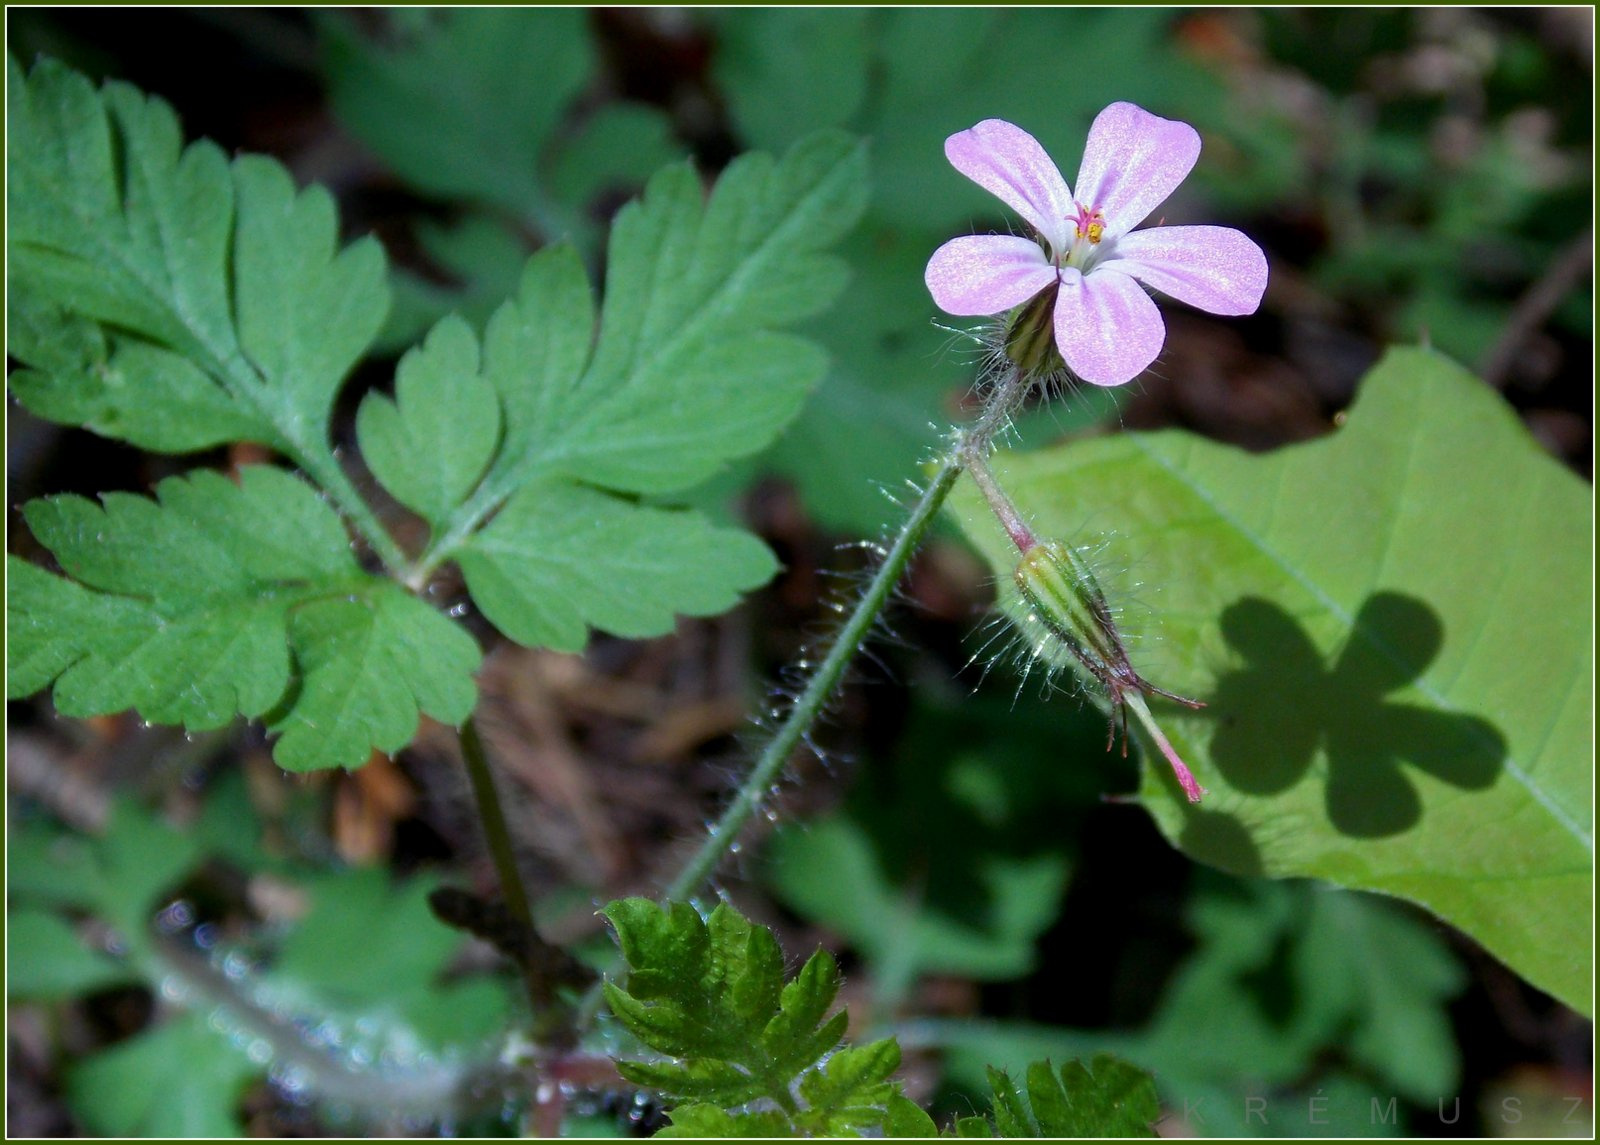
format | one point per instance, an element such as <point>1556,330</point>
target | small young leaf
<point>1010,1114</point>
<point>1110,1098</point>
<point>711,995</point>
<point>847,1093</point>
<point>908,1119</point>
<point>708,993</point>
<point>431,443</point>
<point>710,1121</point>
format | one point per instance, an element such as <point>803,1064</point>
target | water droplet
<point>173,988</point>
<point>459,610</point>
<point>177,916</point>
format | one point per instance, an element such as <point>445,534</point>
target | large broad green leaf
<point>1391,629</point>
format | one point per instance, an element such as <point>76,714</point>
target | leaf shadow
<point>1285,703</point>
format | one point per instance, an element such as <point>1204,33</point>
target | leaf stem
<point>971,442</point>
<point>499,838</point>
<point>324,468</point>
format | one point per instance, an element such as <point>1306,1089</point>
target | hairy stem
<point>974,441</point>
<point>1016,528</point>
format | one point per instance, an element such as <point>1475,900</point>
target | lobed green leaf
<point>712,1121</point>
<point>47,958</point>
<point>562,557</point>
<point>687,372</point>
<point>167,1083</point>
<point>215,600</point>
<point>712,995</point>
<point>431,443</point>
<point>848,1093</point>
<point>695,289</point>
<point>218,289</point>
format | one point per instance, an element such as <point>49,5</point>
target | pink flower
<point>1106,327</point>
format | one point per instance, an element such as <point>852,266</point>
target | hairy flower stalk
<point>1076,302</point>
<point>1075,293</point>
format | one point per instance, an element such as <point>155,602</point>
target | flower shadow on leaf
<point>1284,704</point>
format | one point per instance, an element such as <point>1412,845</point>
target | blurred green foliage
<point>348,1004</point>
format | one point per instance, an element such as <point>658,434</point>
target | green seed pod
<point>1065,598</point>
<point>1062,591</point>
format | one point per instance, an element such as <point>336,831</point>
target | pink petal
<point>1007,162</point>
<point>1107,329</point>
<point>1213,268</point>
<point>1132,162</point>
<point>987,274</point>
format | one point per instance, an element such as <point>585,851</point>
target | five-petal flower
<point>1106,327</point>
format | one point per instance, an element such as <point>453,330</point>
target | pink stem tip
<point>1185,778</point>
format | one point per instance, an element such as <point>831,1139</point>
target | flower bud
<point>1064,597</point>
